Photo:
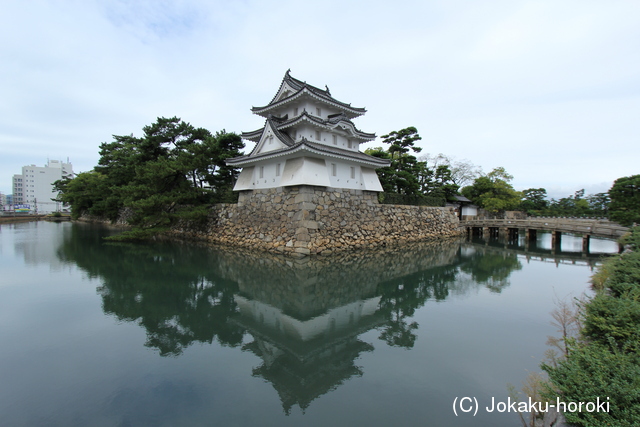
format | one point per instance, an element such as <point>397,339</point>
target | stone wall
<point>124,215</point>
<point>309,220</point>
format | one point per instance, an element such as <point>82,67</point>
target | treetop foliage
<point>625,200</point>
<point>406,175</point>
<point>463,172</point>
<point>493,191</point>
<point>173,164</point>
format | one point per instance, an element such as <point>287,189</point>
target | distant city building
<point>6,202</point>
<point>17,187</point>
<point>34,187</point>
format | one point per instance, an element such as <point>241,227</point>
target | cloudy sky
<point>548,89</point>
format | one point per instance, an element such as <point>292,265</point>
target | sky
<point>547,89</point>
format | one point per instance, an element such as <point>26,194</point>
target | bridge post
<point>485,232</point>
<point>585,243</point>
<point>527,238</point>
<point>495,232</point>
<point>556,237</point>
<point>523,232</point>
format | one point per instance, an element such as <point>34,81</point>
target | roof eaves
<point>315,148</point>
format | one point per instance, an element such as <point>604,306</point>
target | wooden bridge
<point>512,228</point>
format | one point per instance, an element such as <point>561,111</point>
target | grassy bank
<point>604,361</point>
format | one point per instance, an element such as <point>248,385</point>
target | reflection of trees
<point>169,289</point>
<point>305,316</point>
<point>177,293</point>
<point>492,269</point>
<point>401,297</point>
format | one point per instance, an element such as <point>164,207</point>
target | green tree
<point>404,179</point>
<point>625,200</point>
<point>599,204</point>
<point>408,176</point>
<point>437,181</point>
<point>401,141</point>
<point>493,191</point>
<point>174,164</point>
<point>579,205</point>
<point>534,200</point>
<point>88,192</point>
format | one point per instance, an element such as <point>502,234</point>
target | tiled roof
<point>255,135</point>
<point>282,136</point>
<point>461,199</point>
<point>300,87</point>
<point>284,122</point>
<point>313,147</point>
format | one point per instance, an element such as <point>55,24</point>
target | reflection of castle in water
<point>306,358</point>
<point>306,318</point>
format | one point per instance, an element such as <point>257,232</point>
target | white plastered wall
<point>308,171</point>
<point>305,171</point>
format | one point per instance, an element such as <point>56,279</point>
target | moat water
<point>178,334</point>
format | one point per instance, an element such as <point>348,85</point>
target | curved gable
<point>269,140</point>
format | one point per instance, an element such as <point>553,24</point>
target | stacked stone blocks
<point>309,220</point>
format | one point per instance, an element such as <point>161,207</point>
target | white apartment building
<point>35,186</point>
<point>18,192</point>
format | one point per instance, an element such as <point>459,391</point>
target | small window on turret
<point>318,112</point>
<point>335,140</point>
<point>349,143</point>
<point>318,135</point>
<point>295,111</point>
<point>261,171</point>
<point>353,172</point>
<point>278,169</point>
<point>333,169</point>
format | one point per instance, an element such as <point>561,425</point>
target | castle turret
<point>308,139</point>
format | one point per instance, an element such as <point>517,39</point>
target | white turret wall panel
<point>305,171</point>
<point>344,175</point>
<point>245,180</point>
<point>370,180</point>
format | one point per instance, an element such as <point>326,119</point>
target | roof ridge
<point>300,86</point>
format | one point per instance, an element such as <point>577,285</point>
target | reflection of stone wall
<point>309,286</point>
<point>309,220</point>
